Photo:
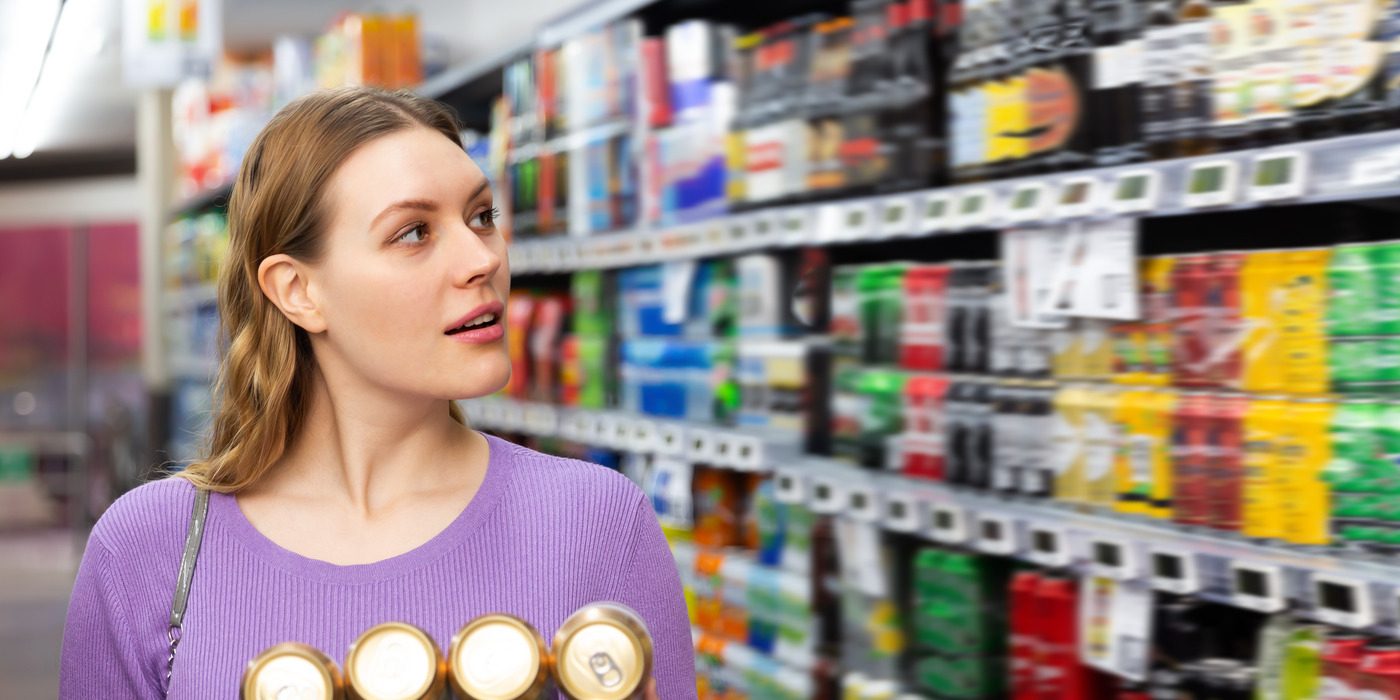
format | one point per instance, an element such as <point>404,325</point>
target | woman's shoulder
<point>147,519</point>
<point>561,480</point>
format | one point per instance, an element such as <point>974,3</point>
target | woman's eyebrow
<point>424,205</point>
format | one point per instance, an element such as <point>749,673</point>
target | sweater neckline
<point>226,511</point>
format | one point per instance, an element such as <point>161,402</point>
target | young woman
<point>363,294</point>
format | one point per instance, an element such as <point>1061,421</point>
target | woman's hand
<point>651,693</point>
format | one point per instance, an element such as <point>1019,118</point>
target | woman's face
<point>412,256</point>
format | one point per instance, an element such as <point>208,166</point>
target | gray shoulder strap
<point>193,538</point>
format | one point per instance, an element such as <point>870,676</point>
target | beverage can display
<point>498,657</point>
<point>1225,461</point>
<point>925,317</point>
<point>1378,673</point>
<point>602,652</point>
<point>924,427</point>
<point>1304,455</point>
<point>1226,328</point>
<point>1192,341</point>
<point>1191,437</point>
<point>1101,446</point>
<point>1341,661</point>
<point>1302,319</point>
<point>1262,284</point>
<point>1353,293</point>
<point>394,661</point>
<point>1264,480</point>
<point>1071,444</point>
<point>292,668</point>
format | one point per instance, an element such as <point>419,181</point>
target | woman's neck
<point>373,450</point>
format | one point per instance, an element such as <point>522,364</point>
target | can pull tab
<point>605,669</point>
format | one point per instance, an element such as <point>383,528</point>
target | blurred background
<point>967,349</point>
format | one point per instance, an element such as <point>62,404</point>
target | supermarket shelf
<point>204,201</point>
<point>1219,566</point>
<point>1365,166</point>
<point>72,443</point>
<point>190,298</point>
<point>735,448</point>
<point>440,85</point>
<point>189,367</point>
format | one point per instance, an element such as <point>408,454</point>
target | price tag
<point>789,488</point>
<point>738,231</point>
<point>1343,601</point>
<point>1136,191</point>
<point>699,446</point>
<point>902,512</point>
<point>764,226</point>
<point>934,212</point>
<point>670,439</point>
<point>1211,183</point>
<point>896,216</point>
<point>859,222</point>
<point>604,426</point>
<point>1375,168</point>
<point>1079,197</point>
<point>1175,572</point>
<point>864,504</point>
<point>1256,586</point>
<point>722,450</point>
<point>796,224</point>
<point>827,497</point>
<point>1049,546</point>
<point>1029,202</point>
<point>974,208</point>
<point>1113,558</point>
<point>948,524</point>
<point>622,433</point>
<point>996,534</point>
<point>1278,175</point>
<point>643,436</point>
<point>748,453</point>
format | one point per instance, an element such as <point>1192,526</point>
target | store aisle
<point>36,577</point>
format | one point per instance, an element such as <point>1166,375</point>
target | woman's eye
<point>484,219</point>
<point>414,234</point>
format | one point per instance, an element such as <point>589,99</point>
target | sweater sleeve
<point>651,585</point>
<point>100,657</point>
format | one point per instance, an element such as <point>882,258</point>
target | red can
<point>1025,635</point>
<point>923,330</point>
<point>1190,302</point>
<point>1191,426</point>
<point>1059,674</point>
<point>1223,487</point>
<point>1224,320</point>
<point>924,412</point>
<point>1379,671</point>
<point>1341,661</point>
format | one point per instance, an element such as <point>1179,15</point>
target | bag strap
<point>193,538</point>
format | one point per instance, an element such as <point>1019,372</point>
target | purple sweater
<point>543,537</point>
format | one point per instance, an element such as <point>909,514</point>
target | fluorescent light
<point>25,38</point>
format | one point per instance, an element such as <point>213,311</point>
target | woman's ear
<point>284,280</point>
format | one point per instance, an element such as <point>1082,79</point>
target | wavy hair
<point>262,392</point>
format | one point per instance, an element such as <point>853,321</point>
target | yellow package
<point>1262,510</point>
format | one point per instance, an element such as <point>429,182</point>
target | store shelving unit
<point>1348,168</point>
<point>1175,558</point>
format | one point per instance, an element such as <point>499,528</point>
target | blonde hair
<point>277,206</point>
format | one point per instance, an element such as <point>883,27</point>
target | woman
<point>362,295</point>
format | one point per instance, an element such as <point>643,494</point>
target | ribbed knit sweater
<point>543,537</point>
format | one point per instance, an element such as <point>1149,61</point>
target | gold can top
<point>292,671</point>
<point>498,657</point>
<point>602,652</point>
<point>394,661</point>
